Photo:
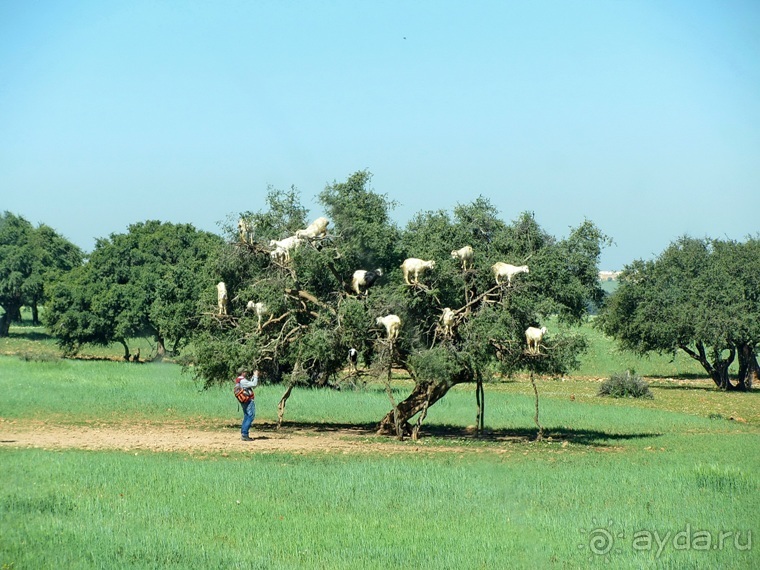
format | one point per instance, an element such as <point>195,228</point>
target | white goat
<point>221,295</point>
<point>506,270</point>
<point>259,308</point>
<point>318,228</point>
<point>245,230</point>
<point>415,267</point>
<point>447,320</point>
<point>392,324</point>
<point>364,278</point>
<point>533,337</point>
<point>282,247</point>
<point>464,254</point>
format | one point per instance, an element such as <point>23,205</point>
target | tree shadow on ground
<point>712,388</point>
<point>456,434</point>
<point>29,335</point>
<point>681,376</point>
<point>577,436</point>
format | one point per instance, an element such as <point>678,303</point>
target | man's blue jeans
<point>249,412</point>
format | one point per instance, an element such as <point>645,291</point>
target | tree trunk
<point>160,348</point>
<point>421,418</point>
<point>720,376</point>
<point>718,370</point>
<point>35,315</point>
<point>749,372</point>
<point>281,406</point>
<point>423,395</point>
<point>14,313</point>
<point>398,428</point>
<point>123,343</point>
<point>8,318</point>
<point>480,399</point>
<point>540,434</point>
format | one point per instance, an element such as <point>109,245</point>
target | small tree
<point>31,260</point>
<point>700,296</point>
<point>144,282</point>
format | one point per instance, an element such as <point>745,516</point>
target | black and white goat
<point>353,358</point>
<point>364,278</point>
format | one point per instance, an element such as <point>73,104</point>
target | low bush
<point>628,385</point>
<point>39,357</point>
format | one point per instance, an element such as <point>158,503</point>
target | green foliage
<point>147,281</point>
<point>606,356</point>
<point>439,364</point>
<point>700,296</point>
<point>31,261</point>
<point>314,316</point>
<point>361,220</point>
<point>627,385</point>
<point>311,322</point>
<point>284,216</point>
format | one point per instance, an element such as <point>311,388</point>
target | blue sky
<point>642,116</point>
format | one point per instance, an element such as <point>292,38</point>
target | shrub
<point>628,385</point>
<point>28,356</point>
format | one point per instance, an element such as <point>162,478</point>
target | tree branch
<point>301,294</point>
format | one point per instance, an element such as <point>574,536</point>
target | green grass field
<point>663,483</point>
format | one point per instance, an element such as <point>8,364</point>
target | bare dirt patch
<point>219,439</point>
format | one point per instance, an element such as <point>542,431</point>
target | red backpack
<point>243,395</point>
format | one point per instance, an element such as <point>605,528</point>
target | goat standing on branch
<point>282,248</point>
<point>392,324</point>
<point>465,255</point>
<point>447,322</point>
<point>221,295</point>
<point>318,228</point>
<point>259,308</point>
<point>415,266</point>
<point>506,270</point>
<point>364,278</point>
<point>534,336</point>
<point>245,230</point>
<point>353,358</point>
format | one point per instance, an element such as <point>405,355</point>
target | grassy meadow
<point>662,483</point>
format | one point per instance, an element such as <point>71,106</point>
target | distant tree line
<point>296,317</point>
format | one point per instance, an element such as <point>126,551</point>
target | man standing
<point>244,393</point>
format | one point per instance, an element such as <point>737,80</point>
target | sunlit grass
<point>85,391</point>
<point>519,509</point>
<point>683,460</point>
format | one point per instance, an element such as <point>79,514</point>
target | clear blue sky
<point>640,115</point>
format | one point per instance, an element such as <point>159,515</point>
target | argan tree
<point>700,296</point>
<point>31,260</point>
<point>313,316</point>
<point>145,282</point>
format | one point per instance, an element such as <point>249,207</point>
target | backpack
<point>243,395</point>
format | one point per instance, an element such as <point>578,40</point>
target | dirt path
<point>183,438</point>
